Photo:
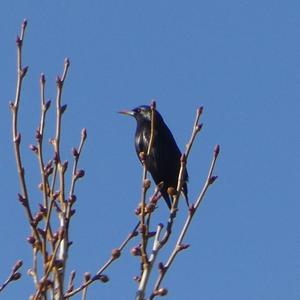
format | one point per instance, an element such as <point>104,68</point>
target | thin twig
<point>61,169</point>
<point>179,245</point>
<point>13,276</point>
<point>159,244</point>
<point>21,72</point>
<point>45,184</point>
<point>49,266</point>
<point>180,182</point>
<point>144,228</point>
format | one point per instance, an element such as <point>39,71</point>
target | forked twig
<point>179,244</point>
<point>13,276</point>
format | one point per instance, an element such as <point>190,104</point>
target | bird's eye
<point>138,110</point>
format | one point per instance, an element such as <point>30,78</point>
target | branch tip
<point>67,62</point>
<point>217,150</point>
<point>200,110</point>
<point>24,24</point>
<point>153,105</point>
<point>84,133</point>
<point>17,265</point>
<point>43,78</point>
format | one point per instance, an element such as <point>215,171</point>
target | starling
<point>163,162</point>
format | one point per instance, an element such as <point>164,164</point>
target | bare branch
<point>13,276</point>
<point>179,244</point>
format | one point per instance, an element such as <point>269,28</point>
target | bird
<point>163,161</point>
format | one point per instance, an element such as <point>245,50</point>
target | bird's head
<point>141,113</point>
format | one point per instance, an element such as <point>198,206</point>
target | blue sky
<point>240,60</point>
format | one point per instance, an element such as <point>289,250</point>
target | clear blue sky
<point>238,58</point>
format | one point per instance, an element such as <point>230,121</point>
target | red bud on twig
<point>87,276</point>
<point>217,150</point>
<point>151,234</point>
<point>24,71</point>
<point>47,105</point>
<point>43,78</point>
<point>22,199</point>
<point>38,217</point>
<point>199,127</point>
<point>138,210</point>
<point>136,251</point>
<point>72,199</point>
<point>161,267</point>
<point>103,278</point>
<point>18,41</point>
<point>75,152</point>
<point>212,179</point>
<point>161,292</point>
<point>11,105</point>
<point>38,135</point>
<point>183,247</point>
<point>17,266</point>
<point>63,108</point>
<point>116,253</point>
<point>33,148</point>
<point>65,166</point>
<point>16,276</point>
<point>31,240</point>
<point>147,183</point>
<point>79,174</point>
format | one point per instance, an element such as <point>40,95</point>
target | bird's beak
<point>127,112</point>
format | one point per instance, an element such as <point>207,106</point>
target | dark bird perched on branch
<point>163,162</point>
